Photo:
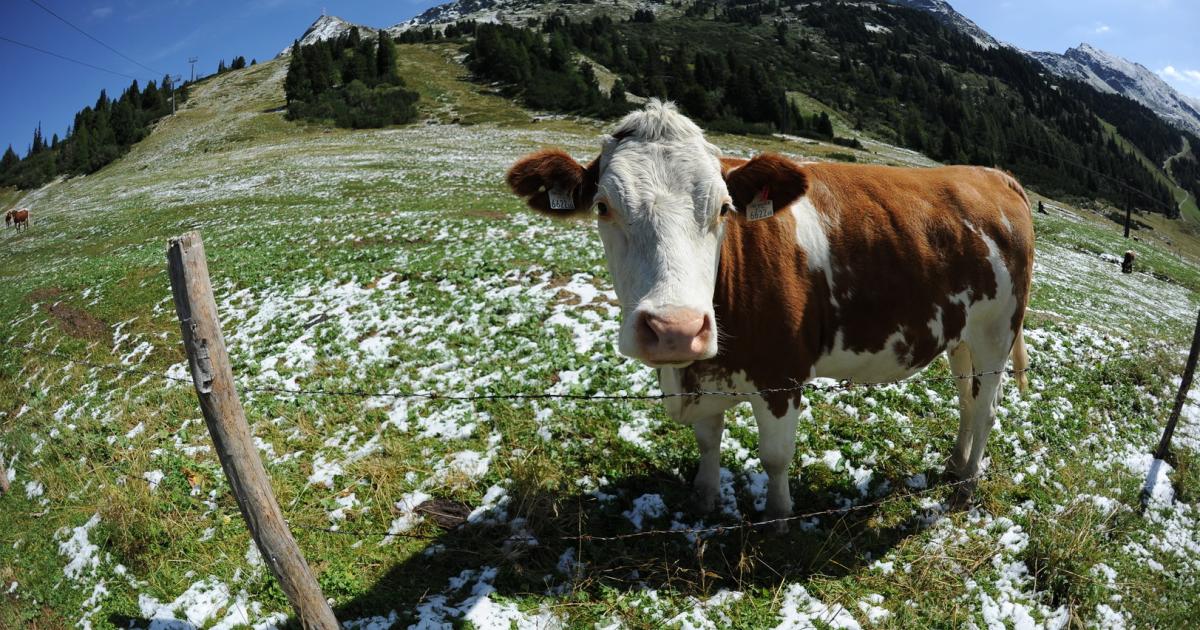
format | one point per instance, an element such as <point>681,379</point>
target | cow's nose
<point>673,335</point>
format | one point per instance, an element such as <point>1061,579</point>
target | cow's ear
<point>781,179</point>
<point>553,183</point>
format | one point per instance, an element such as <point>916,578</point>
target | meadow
<point>394,260</point>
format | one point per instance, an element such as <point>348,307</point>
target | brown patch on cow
<point>782,180</point>
<point>76,322</point>
<point>764,294</point>
<point>534,175</point>
<point>901,248</point>
<point>730,163</point>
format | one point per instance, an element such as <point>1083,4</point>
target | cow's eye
<point>601,209</point>
<point>726,208</point>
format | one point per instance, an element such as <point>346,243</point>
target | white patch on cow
<point>662,183</point>
<point>993,314</point>
<point>1004,220</point>
<point>812,236</point>
<point>937,327</point>
<point>866,367</point>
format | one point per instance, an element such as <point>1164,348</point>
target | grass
<point>394,260</point>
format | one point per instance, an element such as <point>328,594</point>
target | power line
<point>89,36</point>
<point>65,58</point>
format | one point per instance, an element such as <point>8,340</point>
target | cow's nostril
<point>646,334</point>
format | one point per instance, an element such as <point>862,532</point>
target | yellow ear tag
<point>761,208</point>
<point>560,200</point>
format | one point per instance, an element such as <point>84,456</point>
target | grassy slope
<point>393,259</point>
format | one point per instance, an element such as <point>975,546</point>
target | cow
<point>755,275</point>
<point>17,218</point>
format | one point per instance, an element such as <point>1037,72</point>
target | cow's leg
<point>960,367</point>
<point>776,446</point>
<point>707,485</point>
<point>988,360</point>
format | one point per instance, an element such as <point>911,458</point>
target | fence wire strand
<point>686,531</point>
<point>835,385</point>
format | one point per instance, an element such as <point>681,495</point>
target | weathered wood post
<point>226,420</point>
<point>1128,219</point>
<point>1164,445</point>
<point>3,476</point>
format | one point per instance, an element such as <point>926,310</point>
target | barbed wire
<point>796,386</point>
<point>687,531</point>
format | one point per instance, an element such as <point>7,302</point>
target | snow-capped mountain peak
<point>328,27</point>
<point>1109,73</point>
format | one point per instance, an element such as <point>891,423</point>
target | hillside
<point>393,260</point>
<point>923,77</point>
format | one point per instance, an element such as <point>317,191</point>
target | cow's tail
<point>1020,361</point>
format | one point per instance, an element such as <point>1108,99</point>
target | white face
<point>659,209</point>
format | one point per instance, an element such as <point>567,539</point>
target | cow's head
<point>661,199</point>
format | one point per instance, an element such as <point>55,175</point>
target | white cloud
<point>102,12</point>
<point>1102,28</point>
<point>1185,76</point>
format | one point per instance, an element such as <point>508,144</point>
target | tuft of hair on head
<point>658,121</point>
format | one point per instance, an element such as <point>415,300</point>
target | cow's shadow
<point>541,546</point>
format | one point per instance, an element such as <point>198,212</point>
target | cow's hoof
<point>960,498</point>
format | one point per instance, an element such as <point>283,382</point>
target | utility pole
<point>193,60</point>
<point>171,86</point>
<point>1128,218</point>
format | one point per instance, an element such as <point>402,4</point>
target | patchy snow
<point>801,611</point>
<point>154,478</point>
<point>645,507</point>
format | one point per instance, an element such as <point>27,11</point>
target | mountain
<point>1109,73</point>
<point>952,18</point>
<point>328,27</point>
<point>1098,68</point>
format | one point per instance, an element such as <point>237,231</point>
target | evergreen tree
<point>9,161</point>
<point>297,86</point>
<point>385,59</point>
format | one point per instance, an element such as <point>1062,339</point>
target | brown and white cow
<point>745,275</point>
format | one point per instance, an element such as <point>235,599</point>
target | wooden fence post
<point>1164,444</point>
<point>3,477</point>
<point>226,420</point>
<point>1128,219</point>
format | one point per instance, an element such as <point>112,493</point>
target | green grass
<point>405,236</point>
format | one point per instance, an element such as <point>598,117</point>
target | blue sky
<point>161,35</point>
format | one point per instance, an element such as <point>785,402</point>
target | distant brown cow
<point>17,218</point>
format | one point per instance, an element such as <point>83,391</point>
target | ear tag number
<point>560,200</point>
<point>761,208</point>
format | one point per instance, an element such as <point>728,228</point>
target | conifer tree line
<point>100,134</point>
<point>351,81</point>
<point>238,63</point>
